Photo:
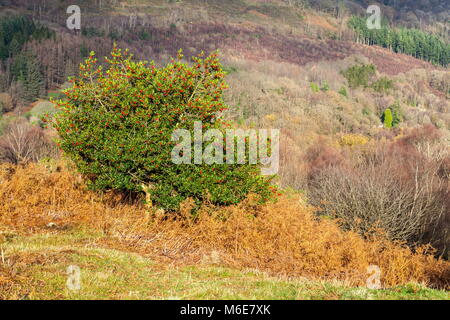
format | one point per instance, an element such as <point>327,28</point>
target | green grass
<point>41,261</point>
<point>42,108</point>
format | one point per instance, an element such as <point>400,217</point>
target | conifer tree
<point>387,118</point>
<point>34,82</point>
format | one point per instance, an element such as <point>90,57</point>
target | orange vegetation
<point>320,21</point>
<point>283,238</point>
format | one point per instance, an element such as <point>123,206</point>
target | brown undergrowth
<point>283,238</point>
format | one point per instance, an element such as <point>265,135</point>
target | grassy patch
<point>37,269</point>
<point>42,108</point>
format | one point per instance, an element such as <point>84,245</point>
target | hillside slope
<point>36,269</point>
<point>363,121</point>
<point>126,251</point>
<point>285,62</point>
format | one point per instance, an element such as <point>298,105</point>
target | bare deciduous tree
<point>400,187</point>
<point>22,143</point>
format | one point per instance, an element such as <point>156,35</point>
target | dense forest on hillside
<point>413,42</point>
<point>22,72</point>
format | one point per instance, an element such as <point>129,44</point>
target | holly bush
<point>117,121</point>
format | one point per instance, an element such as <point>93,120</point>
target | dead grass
<point>321,22</point>
<point>37,269</point>
<point>283,238</point>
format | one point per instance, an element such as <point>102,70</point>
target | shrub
<point>23,142</point>
<point>352,140</point>
<point>387,118</point>
<point>325,87</point>
<point>144,35</point>
<point>392,116</point>
<point>117,125</point>
<point>397,187</point>
<point>343,92</point>
<point>366,111</point>
<point>396,114</point>
<point>359,75</point>
<point>92,32</point>
<point>383,85</point>
<point>314,87</point>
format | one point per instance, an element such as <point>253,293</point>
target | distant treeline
<point>16,31</point>
<point>413,42</point>
<point>21,73</point>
